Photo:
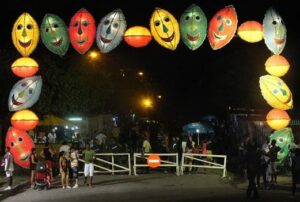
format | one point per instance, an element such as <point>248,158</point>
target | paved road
<point>151,187</point>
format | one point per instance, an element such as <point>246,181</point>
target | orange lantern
<point>278,119</point>
<point>277,65</point>
<point>137,36</point>
<point>25,67</point>
<point>251,31</point>
<point>24,120</point>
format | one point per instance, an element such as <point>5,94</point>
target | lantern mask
<point>165,29</point>
<point>193,26</point>
<point>54,34</point>
<point>20,144</point>
<point>276,92</point>
<point>222,27</point>
<point>82,31</point>
<point>25,34</point>
<point>274,31</point>
<point>283,139</point>
<point>110,30</point>
<point>25,93</point>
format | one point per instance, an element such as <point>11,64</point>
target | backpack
<point>64,163</point>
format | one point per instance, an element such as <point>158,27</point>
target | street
<point>152,187</point>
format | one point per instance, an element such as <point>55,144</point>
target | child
<point>8,164</point>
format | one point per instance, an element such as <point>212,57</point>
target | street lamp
<point>140,73</point>
<point>147,103</point>
<point>93,55</point>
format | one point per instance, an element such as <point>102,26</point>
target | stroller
<point>42,178</point>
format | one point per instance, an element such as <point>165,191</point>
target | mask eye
<point>55,25</point>
<point>30,91</point>
<point>85,23</point>
<point>47,29</point>
<point>12,144</point>
<point>274,22</point>
<point>167,19</point>
<point>19,27</point>
<point>106,22</point>
<point>75,24</point>
<point>228,22</point>
<point>116,25</point>
<point>29,26</point>
<point>187,17</point>
<point>20,139</point>
<point>219,18</point>
<point>197,18</point>
<point>157,23</point>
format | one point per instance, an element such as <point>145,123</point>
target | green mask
<point>54,34</point>
<point>284,138</point>
<point>193,27</point>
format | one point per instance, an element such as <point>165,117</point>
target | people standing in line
<point>48,155</point>
<point>273,161</point>
<point>32,166</point>
<point>74,158</point>
<point>295,169</point>
<point>89,156</point>
<point>64,170</point>
<point>252,161</point>
<point>8,163</point>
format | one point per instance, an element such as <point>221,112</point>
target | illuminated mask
<point>20,144</point>
<point>110,30</point>
<point>82,31</point>
<point>54,34</point>
<point>283,139</point>
<point>274,31</point>
<point>276,92</point>
<point>222,27</point>
<point>193,26</point>
<point>164,28</point>
<point>25,34</point>
<point>25,93</point>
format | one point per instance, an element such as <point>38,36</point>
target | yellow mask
<point>165,29</point>
<point>25,34</point>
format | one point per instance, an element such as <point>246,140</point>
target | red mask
<point>222,27</point>
<point>20,144</point>
<point>82,31</point>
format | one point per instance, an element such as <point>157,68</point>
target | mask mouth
<point>193,38</point>
<point>24,158</point>
<point>104,40</point>
<point>279,41</point>
<point>57,42</point>
<point>15,102</point>
<point>219,37</point>
<point>81,42</point>
<point>25,44</point>
<point>168,39</point>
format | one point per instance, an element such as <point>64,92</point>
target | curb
<point>16,189</point>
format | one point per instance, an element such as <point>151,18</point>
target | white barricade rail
<point>205,163</point>
<point>109,166</point>
<point>163,163</point>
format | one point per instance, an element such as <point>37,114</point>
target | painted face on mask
<point>54,34</point>
<point>222,27</point>
<point>25,34</point>
<point>82,31</point>
<point>20,144</point>
<point>193,26</point>
<point>110,30</point>
<point>25,93</point>
<point>274,31</point>
<point>165,29</point>
<point>283,139</point>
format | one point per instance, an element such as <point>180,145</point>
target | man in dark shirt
<point>273,158</point>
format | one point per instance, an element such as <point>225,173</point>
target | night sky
<point>193,83</point>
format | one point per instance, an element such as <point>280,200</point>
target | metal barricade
<point>206,163</point>
<point>163,163</point>
<point>102,165</point>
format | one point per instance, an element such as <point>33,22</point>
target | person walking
<point>74,158</point>
<point>252,161</point>
<point>8,163</point>
<point>88,157</point>
<point>32,166</point>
